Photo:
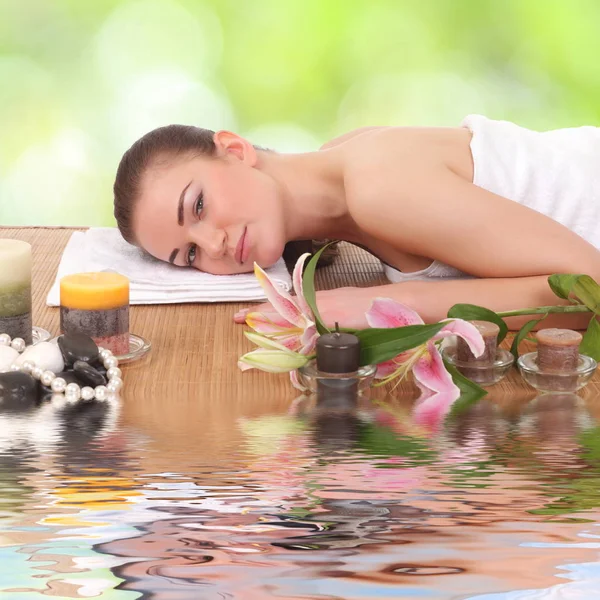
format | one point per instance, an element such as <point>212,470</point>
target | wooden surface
<point>195,347</point>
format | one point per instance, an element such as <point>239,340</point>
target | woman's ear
<point>231,144</point>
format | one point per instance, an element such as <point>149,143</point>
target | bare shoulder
<point>345,137</point>
<point>382,170</point>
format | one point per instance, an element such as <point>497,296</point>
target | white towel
<point>153,281</point>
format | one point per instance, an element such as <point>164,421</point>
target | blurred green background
<point>80,80</point>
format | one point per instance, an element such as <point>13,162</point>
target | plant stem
<point>540,310</point>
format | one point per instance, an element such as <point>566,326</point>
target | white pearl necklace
<point>72,391</point>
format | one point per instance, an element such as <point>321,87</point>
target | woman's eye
<point>191,255</point>
<point>199,205</point>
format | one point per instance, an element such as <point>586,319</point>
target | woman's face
<point>219,215</point>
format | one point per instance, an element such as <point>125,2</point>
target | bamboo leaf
<point>470,392</point>
<point>472,312</point>
<point>588,291</point>
<point>562,284</point>
<point>590,346</point>
<point>308,286</point>
<point>381,344</point>
<point>523,332</point>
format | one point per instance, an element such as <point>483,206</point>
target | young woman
<point>480,213</point>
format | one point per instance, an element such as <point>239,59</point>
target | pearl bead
<point>113,372</point>
<point>101,393</point>
<point>47,378</point>
<point>58,385</point>
<point>110,362</point>
<point>37,372</point>
<point>104,353</point>
<point>14,367</point>
<point>28,366</point>
<point>115,384</point>
<point>5,339</point>
<point>18,344</point>
<point>72,392</point>
<point>87,393</point>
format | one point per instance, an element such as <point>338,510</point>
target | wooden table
<point>195,347</point>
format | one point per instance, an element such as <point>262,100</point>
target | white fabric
<point>556,173</point>
<point>153,281</point>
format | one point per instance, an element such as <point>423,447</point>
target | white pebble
<point>8,356</point>
<point>45,355</point>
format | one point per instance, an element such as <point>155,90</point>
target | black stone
<point>18,391</point>
<point>88,374</point>
<point>78,346</point>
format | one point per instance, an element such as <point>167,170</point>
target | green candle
<point>15,289</point>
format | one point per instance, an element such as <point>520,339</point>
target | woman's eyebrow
<point>180,205</point>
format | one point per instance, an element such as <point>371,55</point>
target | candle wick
<point>337,327</point>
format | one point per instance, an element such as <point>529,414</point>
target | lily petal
<point>296,381</point>
<point>268,323</point>
<point>308,340</point>
<point>273,361</point>
<point>267,343</point>
<point>282,302</point>
<point>385,369</point>
<point>430,372</point>
<point>385,312</point>
<point>467,331</point>
<point>297,282</point>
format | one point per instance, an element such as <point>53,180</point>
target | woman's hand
<point>346,306</point>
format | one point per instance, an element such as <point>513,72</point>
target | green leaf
<point>308,287</point>
<point>470,392</point>
<point>590,346</point>
<point>562,284</point>
<point>382,441</point>
<point>378,345</point>
<point>522,334</point>
<point>588,291</point>
<point>472,312</point>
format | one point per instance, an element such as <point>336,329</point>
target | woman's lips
<point>239,250</point>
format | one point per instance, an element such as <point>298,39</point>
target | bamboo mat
<point>195,347</point>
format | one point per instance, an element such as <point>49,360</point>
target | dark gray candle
<point>338,353</point>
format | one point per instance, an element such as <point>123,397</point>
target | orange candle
<point>97,304</point>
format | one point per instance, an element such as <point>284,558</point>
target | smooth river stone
<point>88,374</point>
<point>8,356</point>
<point>78,346</point>
<point>18,391</point>
<point>558,350</point>
<point>45,355</point>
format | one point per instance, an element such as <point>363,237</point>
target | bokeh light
<point>81,81</point>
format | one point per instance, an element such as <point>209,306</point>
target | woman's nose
<point>213,242</point>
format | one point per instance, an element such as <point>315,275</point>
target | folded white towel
<point>153,281</point>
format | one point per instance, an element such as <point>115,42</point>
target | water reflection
<point>254,499</point>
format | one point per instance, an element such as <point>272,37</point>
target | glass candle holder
<point>318,382</point>
<point>568,380</point>
<point>481,373</point>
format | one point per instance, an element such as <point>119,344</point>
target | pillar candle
<point>558,350</point>
<point>489,332</point>
<point>15,289</point>
<point>97,304</point>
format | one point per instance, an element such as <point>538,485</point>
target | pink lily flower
<point>424,361</point>
<point>293,327</point>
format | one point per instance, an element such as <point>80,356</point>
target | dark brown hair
<point>164,144</point>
